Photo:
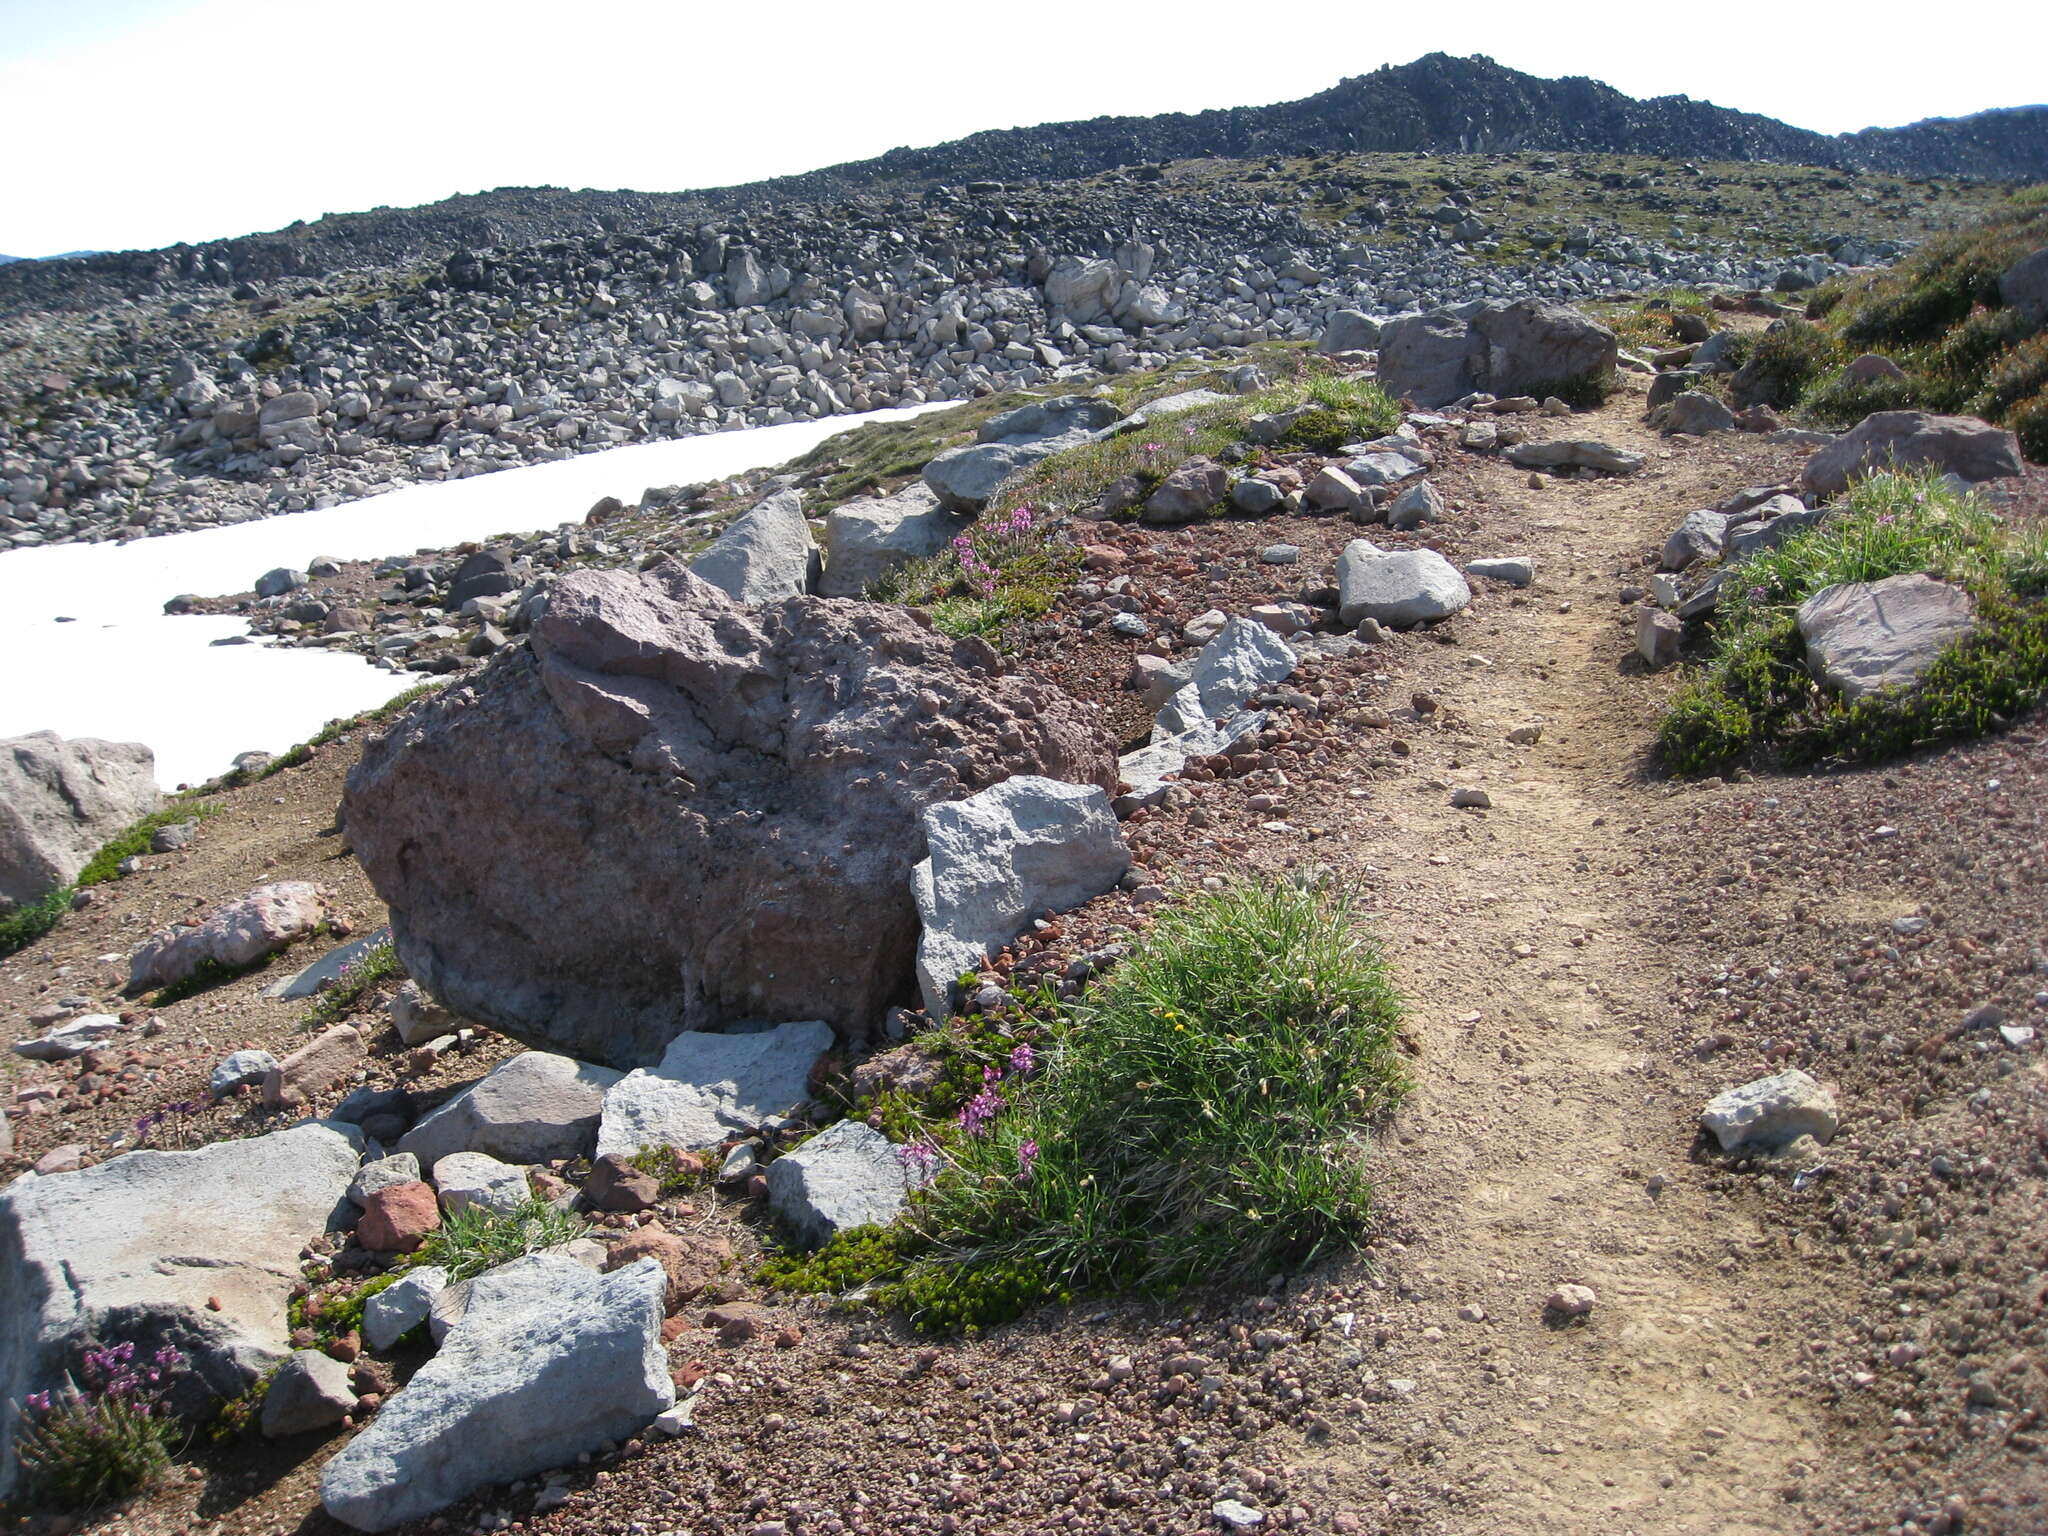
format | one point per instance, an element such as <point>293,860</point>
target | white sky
<point>139,123</point>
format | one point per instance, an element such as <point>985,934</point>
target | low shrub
<point>1783,363</point>
<point>1753,698</point>
<point>21,926</point>
<point>101,1437</point>
<point>106,864</point>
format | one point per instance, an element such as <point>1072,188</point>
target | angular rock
<point>533,1108</point>
<point>239,1069</point>
<point>324,1062</point>
<point>73,1037</point>
<point>846,1176</point>
<point>310,1391</point>
<point>1420,503</point>
<point>1349,330</point>
<point>1862,636</point>
<point>1518,347</point>
<point>1382,467</point>
<point>1957,445</point>
<point>60,801</point>
<point>1771,1112</point>
<point>726,805</point>
<point>967,478</point>
<point>1658,637</point>
<point>1698,414</point>
<point>866,540</point>
<point>1514,570</point>
<point>402,1306</point>
<point>548,1362</point>
<point>467,1179</point>
<point>233,936</point>
<point>1784,516</point>
<point>417,1017</point>
<point>766,555</point>
<point>1245,657</point>
<point>708,1087</point>
<point>690,1261</point>
<point>397,1218</point>
<point>1332,491</point>
<point>382,1173</point>
<point>1193,489</point>
<point>1145,771</point>
<point>1575,453</point>
<point>1401,589</point>
<point>1000,858</point>
<point>1258,497</point>
<point>1700,537</point>
<point>197,1249</point>
<point>487,573</point>
<point>325,971</point>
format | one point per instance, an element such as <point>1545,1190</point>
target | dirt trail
<point>1537,1132</point>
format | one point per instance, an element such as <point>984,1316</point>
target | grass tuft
<point>21,926</point>
<point>379,963</point>
<point>473,1239</point>
<point>106,864</point>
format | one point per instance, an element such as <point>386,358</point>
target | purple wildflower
<point>1027,1159</point>
<point>37,1402</point>
<point>976,1113</point>
<point>919,1158</point>
<point>1022,1058</point>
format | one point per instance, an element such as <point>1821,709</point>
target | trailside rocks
<point>1957,445</point>
<point>866,540</point>
<point>1404,588</point>
<point>1771,1112</point>
<point>1000,858</point>
<point>765,555</point>
<point>60,801</point>
<point>233,936</point>
<point>715,811</point>
<point>310,1391</point>
<point>848,1175</point>
<point>402,1305</point>
<point>1575,453</point>
<point>197,1249</point>
<point>1698,414</point>
<point>1862,636</point>
<point>467,1179</point>
<point>548,1362</point>
<point>1522,347</point>
<point>1242,658</point>
<point>533,1108</point>
<point>708,1087</point>
<point>967,478</point>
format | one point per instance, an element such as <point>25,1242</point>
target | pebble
<point>1279,554</point>
<point>1571,1300</point>
<point>1471,800</point>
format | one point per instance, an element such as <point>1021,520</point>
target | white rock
<point>846,1176</point>
<point>1244,657</point>
<point>1407,587</point>
<point>1863,636</point>
<point>532,1108</point>
<point>467,1179</point>
<point>708,1087</point>
<point>1771,1111</point>
<point>766,555</point>
<point>402,1305</point>
<point>866,540</point>
<point>398,1168</point>
<point>61,800</point>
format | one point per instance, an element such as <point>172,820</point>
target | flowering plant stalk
<point>104,1435</point>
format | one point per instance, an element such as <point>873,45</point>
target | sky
<point>142,123</point>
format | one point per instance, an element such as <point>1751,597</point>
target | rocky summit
<point>1384,875</point>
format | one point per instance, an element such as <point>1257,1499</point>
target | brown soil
<point>1588,960</point>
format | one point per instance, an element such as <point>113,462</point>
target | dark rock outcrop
<point>672,813</point>
<point>1514,348</point>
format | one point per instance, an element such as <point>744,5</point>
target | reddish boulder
<point>690,1262</point>
<point>398,1217</point>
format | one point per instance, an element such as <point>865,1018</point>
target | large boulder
<point>199,1250</point>
<point>1349,330</point>
<point>1000,858</point>
<point>708,1087</point>
<point>548,1362</point>
<point>1957,445</point>
<point>1862,636</point>
<point>669,813</point>
<point>60,800</point>
<point>233,936</point>
<point>2024,285</point>
<point>967,478</point>
<point>536,1107</point>
<point>1402,589</point>
<point>846,1176</point>
<point>866,540</point>
<point>766,554</point>
<point>1526,346</point>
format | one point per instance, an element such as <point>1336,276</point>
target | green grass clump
<point>1203,1119</point>
<point>851,1259</point>
<point>1783,363</point>
<point>1754,698</point>
<point>21,926</point>
<point>1004,571</point>
<point>379,963</point>
<point>473,1239</point>
<point>106,864</point>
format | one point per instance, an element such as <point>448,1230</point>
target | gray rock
<point>846,1176</point>
<point>866,540</point>
<point>328,968</point>
<point>1667,387</point>
<point>1258,497</point>
<point>1192,489</point>
<point>1711,355</point>
<point>1748,536</point>
<point>633,752</point>
<point>1401,589</point>
<point>60,801</point>
<point>417,1017</point>
<point>1700,537</point>
<point>466,1179</point>
<point>1514,570</point>
<point>967,478</point>
<point>140,1248</point>
<point>382,1173</point>
<point>280,581</point>
<point>1280,554</point>
<point>766,555</point>
<point>487,573</point>
<point>548,1362</point>
<point>2024,285</point>
<point>1000,858</point>
<point>1382,467</point>
<point>73,1037</point>
<point>1244,657</point>
<point>1146,769</point>
<point>1697,414</point>
<point>530,1109</point>
<point>1526,346</point>
<point>402,1306</point>
<point>1332,490</point>
<point>1349,330</point>
<point>310,1391</point>
<point>1862,636</point>
<point>172,837</point>
<point>1420,503</point>
<point>1771,1112</point>
<point>709,1087</point>
<point>239,1069</point>
<point>1958,445</point>
<point>1575,453</point>
<point>1658,637</point>
<point>233,936</point>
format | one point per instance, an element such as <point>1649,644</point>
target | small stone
<point>1571,1300</point>
<point>1525,735</point>
<point>1280,554</point>
<point>1471,800</point>
<point>1771,1112</point>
